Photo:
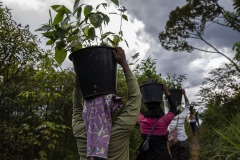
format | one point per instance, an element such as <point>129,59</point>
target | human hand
<point>165,90</point>
<point>119,56</point>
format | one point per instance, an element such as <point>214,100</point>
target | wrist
<point>125,68</point>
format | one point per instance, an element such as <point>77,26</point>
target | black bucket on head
<point>177,95</point>
<point>96,70</point>
<point>152,92</point>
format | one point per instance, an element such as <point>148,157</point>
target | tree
<point>35,98</point>
<point>191,22</point>
<point>221,96</point>
<point>220,86</point>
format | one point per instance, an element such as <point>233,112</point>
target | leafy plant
<point>146,71</point>
<point>174,81</point>
<point>227,144</point>
<point>80,28</point>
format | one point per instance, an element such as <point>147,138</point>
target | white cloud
<point>146,20</point>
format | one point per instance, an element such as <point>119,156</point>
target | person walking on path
<point>197,119</point>
<point>158,140</point>
<point>192,120</point>
<point>118,129</point>
<point>180,150</point>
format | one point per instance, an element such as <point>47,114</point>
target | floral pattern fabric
<point>97,114</point>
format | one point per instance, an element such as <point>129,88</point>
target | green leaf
<point>112,42</point>
<point>76,31</point>
<point>76,3</point>
<point>85,31</point>
<point>42,153</point>
<point>103,4</point>
<point>45,27</point>
<point>125,17</point>
<point>122,9</point>
<point>91,33</point>
<point>105,18</point>
<point>79,12</point>
<point>58,18</point>
<point>49,34</point>
<point>51,146</point>
<point>105,35</point>
<point>65,20</point>
<point>59,8</point>
<point>116,40</point>
<point>60,32</point>
<point>96,20</point>
<point>237,146</point>
<point>56,7</point>
<point>76,45</point>
<point>87,10</point>
<point>60,55</point>
<point>116,2</point>
<point>50,42</point>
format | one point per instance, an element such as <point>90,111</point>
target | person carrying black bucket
<point>154,121</point>
<point>180,149</point>
<point>99,135</point>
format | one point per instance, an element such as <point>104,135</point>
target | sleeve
<point>166,107</point>
<point>77,122</point>
<point>168,118</point>
<point>129,115</point>
<point>185,110</point>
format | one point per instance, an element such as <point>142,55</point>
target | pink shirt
<point>161,127</point>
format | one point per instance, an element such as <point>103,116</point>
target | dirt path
<point>195,147</point>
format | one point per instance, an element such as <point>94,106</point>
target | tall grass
<point>228,143</point>
<point>225,143</point>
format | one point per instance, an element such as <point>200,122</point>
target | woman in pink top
<point>158,141</point>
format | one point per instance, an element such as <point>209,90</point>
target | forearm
<point>166,107</point>
<point>173,107</point>
<point>186,98</point>
<point>128,118</point>
<point>126,69</point>
<point>77,120</point>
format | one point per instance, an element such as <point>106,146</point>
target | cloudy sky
<point>147,19</point>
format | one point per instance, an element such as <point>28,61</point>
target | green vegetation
<point>36,98</point>
<point>82,27</point>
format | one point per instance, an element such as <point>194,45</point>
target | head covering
<point>154,110</point>
<point>97,114</point>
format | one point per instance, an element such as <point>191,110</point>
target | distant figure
<point>197,119</point>
<point>192,120</point>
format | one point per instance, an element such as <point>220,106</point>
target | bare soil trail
<point>195,148</point>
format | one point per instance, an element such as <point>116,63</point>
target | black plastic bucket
<point>177,95</point>
<point>96,70</point>
<point>152,92</point>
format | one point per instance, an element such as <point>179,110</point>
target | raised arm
<point>128,117</point>
<point>173,107</point>
<point>187,105</point>
<point>77,121</point>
